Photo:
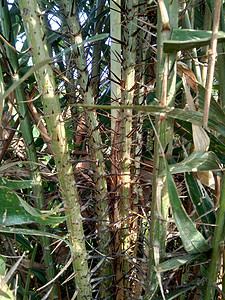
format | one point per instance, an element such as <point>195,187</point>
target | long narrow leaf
<point>180,261</point>
<point>192,239</point>
<point>201,201</point>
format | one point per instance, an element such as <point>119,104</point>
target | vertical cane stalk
<point>125,204</point>
<point>218,239</point>
<point>45,78</point>
<point>95,143</point>
<point>26,128</point>
<point>165,92</point>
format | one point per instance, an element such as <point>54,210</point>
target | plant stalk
<point>218,239</point>
<point>53,116</point>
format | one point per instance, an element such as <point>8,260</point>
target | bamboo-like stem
<point>26,128</point>
<point>212,62</point>
<point>95,145</point>
<point>125,141</point>
<point>164,128</point>
<point>137,139</point>
<point>45,78</point>
<point>218,238</point>
<point>115,76</point>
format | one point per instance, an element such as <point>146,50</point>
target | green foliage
<point>192,239</point>
<point>112,232</point>
<point>185,39</point>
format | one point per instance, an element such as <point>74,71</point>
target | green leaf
<point>16,163</point>
<point>16,184</point>
<point>184,39</point>
<point>42,218</point>
<point>39,274</point>
<point>192,239</point>
<point>11,212</point>
<point>201,201</point>
<point>2,265</point>
<point>14,210</point>
<point>197,161</point>
<point>179,261</point>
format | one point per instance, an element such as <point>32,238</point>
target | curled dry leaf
<point>183,69</point>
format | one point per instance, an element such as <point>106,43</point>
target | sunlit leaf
<point>5,292</point>
<point>184,39</point>
<point>192,239</point>
<point>197,161</point>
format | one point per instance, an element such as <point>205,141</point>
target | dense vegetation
<point>112,149</point>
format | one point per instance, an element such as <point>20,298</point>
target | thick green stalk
<point>115,85</point>
<point>45,78</point>
<point>165,91</point>
<point>26,128</point>
<point>125,141</point>
<point>95,144</point>
<point>137,123</point>
<point>217,243</point>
